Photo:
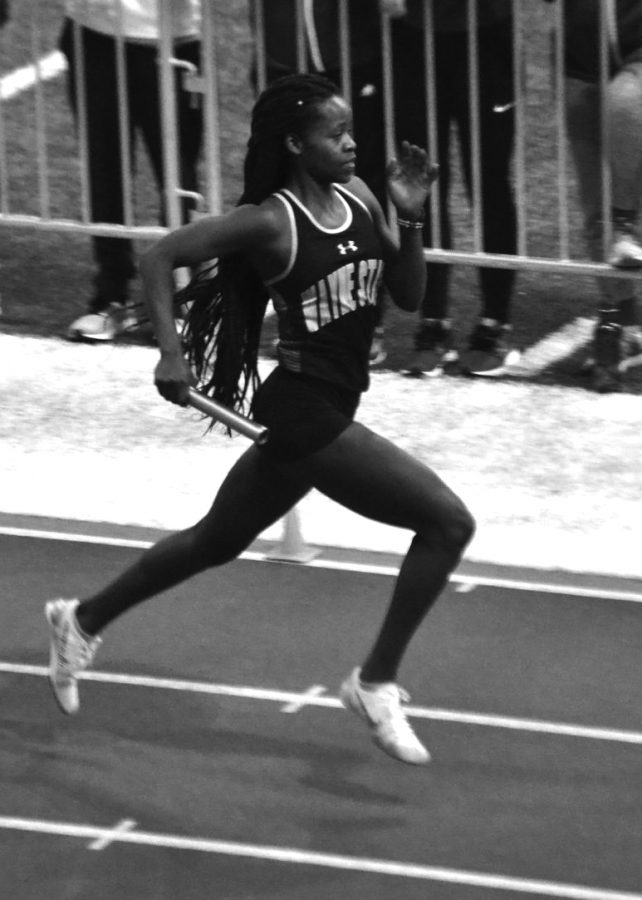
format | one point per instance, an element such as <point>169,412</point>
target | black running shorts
<point>303,414</point>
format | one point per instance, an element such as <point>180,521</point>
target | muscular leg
<point>373,477</point>
<point>360,470</point>
<point>255,494</point>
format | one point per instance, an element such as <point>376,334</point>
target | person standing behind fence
<point>323,55</point>
<point>488,353</point>
<point>617,342</point>
<point>98,24</point>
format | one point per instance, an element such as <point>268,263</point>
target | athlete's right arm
<point>245,229</point>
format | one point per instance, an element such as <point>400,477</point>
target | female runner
<point>312,237</point>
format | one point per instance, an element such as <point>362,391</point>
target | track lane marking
<point>293,855</point>
<point>295,706</point>
<point>465,581</point>
<point>513,723</point>
<point>110,835</point>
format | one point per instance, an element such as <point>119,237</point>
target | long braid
<point>226,303</point>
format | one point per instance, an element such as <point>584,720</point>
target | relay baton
<point>220,413</point>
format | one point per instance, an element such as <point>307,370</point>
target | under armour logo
<point>343,248</point>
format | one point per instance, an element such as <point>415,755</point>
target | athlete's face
<point>327,149</point>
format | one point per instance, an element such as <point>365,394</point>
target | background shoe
<point>380,707</point>
<point>488,354</point>
<point>377,350</point>
<point>434,353</point>
<point>626,251</point>
<point>70,651</point>
<point>607,345</point>
<point>631,348</point>
<point>104,325</point>
<point>630,354</point>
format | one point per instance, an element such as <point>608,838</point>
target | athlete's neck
<point>321,200</point>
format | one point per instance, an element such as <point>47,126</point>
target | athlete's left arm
<point>409,180</point>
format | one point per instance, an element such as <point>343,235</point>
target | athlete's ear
<point>293,144</point>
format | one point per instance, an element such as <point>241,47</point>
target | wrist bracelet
<point>408,223</point>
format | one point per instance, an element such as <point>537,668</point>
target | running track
<point>211,758</point>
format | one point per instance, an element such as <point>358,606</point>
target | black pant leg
<point>497,129</point>
<point>411,125</point>
<point>114,256</point>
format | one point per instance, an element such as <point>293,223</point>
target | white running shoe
<point>70,651</point>
<point>103,326</point>
<point>380,707</point>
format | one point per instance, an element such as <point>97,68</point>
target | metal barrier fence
<point>53,186</point>
<point>45,178</point>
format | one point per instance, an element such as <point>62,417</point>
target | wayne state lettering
<point>342,291</point>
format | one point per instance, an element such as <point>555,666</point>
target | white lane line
<point>46,68</point>
<point>293,855</point>
<point>294,706</point>
<point>540,587</point>
<point>513,723</point>
<point>74,538</point>
<point>556,346</point>
<point>546,587</point>
<point>110,835</point>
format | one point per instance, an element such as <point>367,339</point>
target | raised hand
<point>409,179</point>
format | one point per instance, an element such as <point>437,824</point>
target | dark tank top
<point>327,297</point>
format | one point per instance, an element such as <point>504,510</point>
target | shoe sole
<point>89,338</point>
<point>437,372</point>
<point>449,365</point>
<point>128,325</point>
<point>504,368</point>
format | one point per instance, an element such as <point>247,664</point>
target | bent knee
<point>457,527</point>
<point>462,527</point>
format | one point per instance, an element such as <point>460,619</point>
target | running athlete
<point>313,237</point>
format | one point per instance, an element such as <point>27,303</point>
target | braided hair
<point>226,303</point>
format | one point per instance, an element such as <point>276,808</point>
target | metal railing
<point>208,85</point>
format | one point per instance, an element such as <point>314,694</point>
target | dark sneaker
<point>607,346</point>
<point>434,353</point>
<point>630,351</point>
<point>488,354</point>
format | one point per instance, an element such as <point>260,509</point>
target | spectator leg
<point>114,256</point>
<point>146,106</point>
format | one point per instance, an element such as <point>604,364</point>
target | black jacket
<point>452,15</point>
<point>582,44</point>
<point>281,38</point>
